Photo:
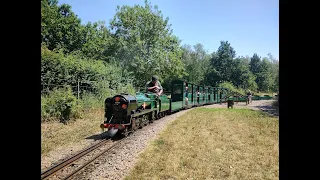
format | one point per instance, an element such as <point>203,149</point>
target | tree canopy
<point>139,41</point>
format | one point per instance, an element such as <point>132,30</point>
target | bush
<point>231,87</point>
<point>97,79</point>
<point>128,88</point>
<point>90,101</point>
<point>60,104</point>
<point>98,76</point>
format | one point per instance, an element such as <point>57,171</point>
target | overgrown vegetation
<point>95,79</point>
<point>60,104</point>
<point>231,87</point>
<point>97,60</point>
<point>54,134</point>
<point>220,144</point>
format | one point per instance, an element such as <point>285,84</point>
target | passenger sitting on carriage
<point>154,86</point>
<point>249,97</point>
<point>186,95</point>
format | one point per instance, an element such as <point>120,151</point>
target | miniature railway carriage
<point>178,101</point>
<point>126,113</point>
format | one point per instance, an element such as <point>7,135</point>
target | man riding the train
<point>154,86</point>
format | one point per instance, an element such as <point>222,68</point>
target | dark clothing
<point>150,84</point>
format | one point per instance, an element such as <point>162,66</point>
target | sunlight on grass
<point>214,144</point>
<point>56,134</point>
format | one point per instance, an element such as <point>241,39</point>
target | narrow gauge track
<point>51,171</point>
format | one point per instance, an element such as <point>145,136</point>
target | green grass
<point>214,144</point>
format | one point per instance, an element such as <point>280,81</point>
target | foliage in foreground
<point>60,104</point>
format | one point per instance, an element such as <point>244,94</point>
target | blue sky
<point>251,26</point>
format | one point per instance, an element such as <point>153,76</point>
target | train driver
<point>154,86</point>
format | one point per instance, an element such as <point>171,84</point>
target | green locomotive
<point>126,113</point>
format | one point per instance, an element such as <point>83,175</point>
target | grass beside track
<point>55,134</point>
<point>214,144</point>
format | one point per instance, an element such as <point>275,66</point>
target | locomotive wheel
<point>125,132</point>
<point>169,112</point>
<point>145,120</point>
<point>151,117</point>
<point>154,115</point>
<point>133,124</point>
<point>140,120</point>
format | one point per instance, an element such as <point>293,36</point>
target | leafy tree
<point>265,78</point>
<point>246,60</point>
<point>60,69</point>
<point>242,76</point>
<point>275,72</point>
<point>222,64</point>
<point>231,87</point>
<point>60,27</point>
<point>146,45</point>
<point>98,42</point>
<point>196,63</point>
<point>255,64</point>
<point>266,72</point>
